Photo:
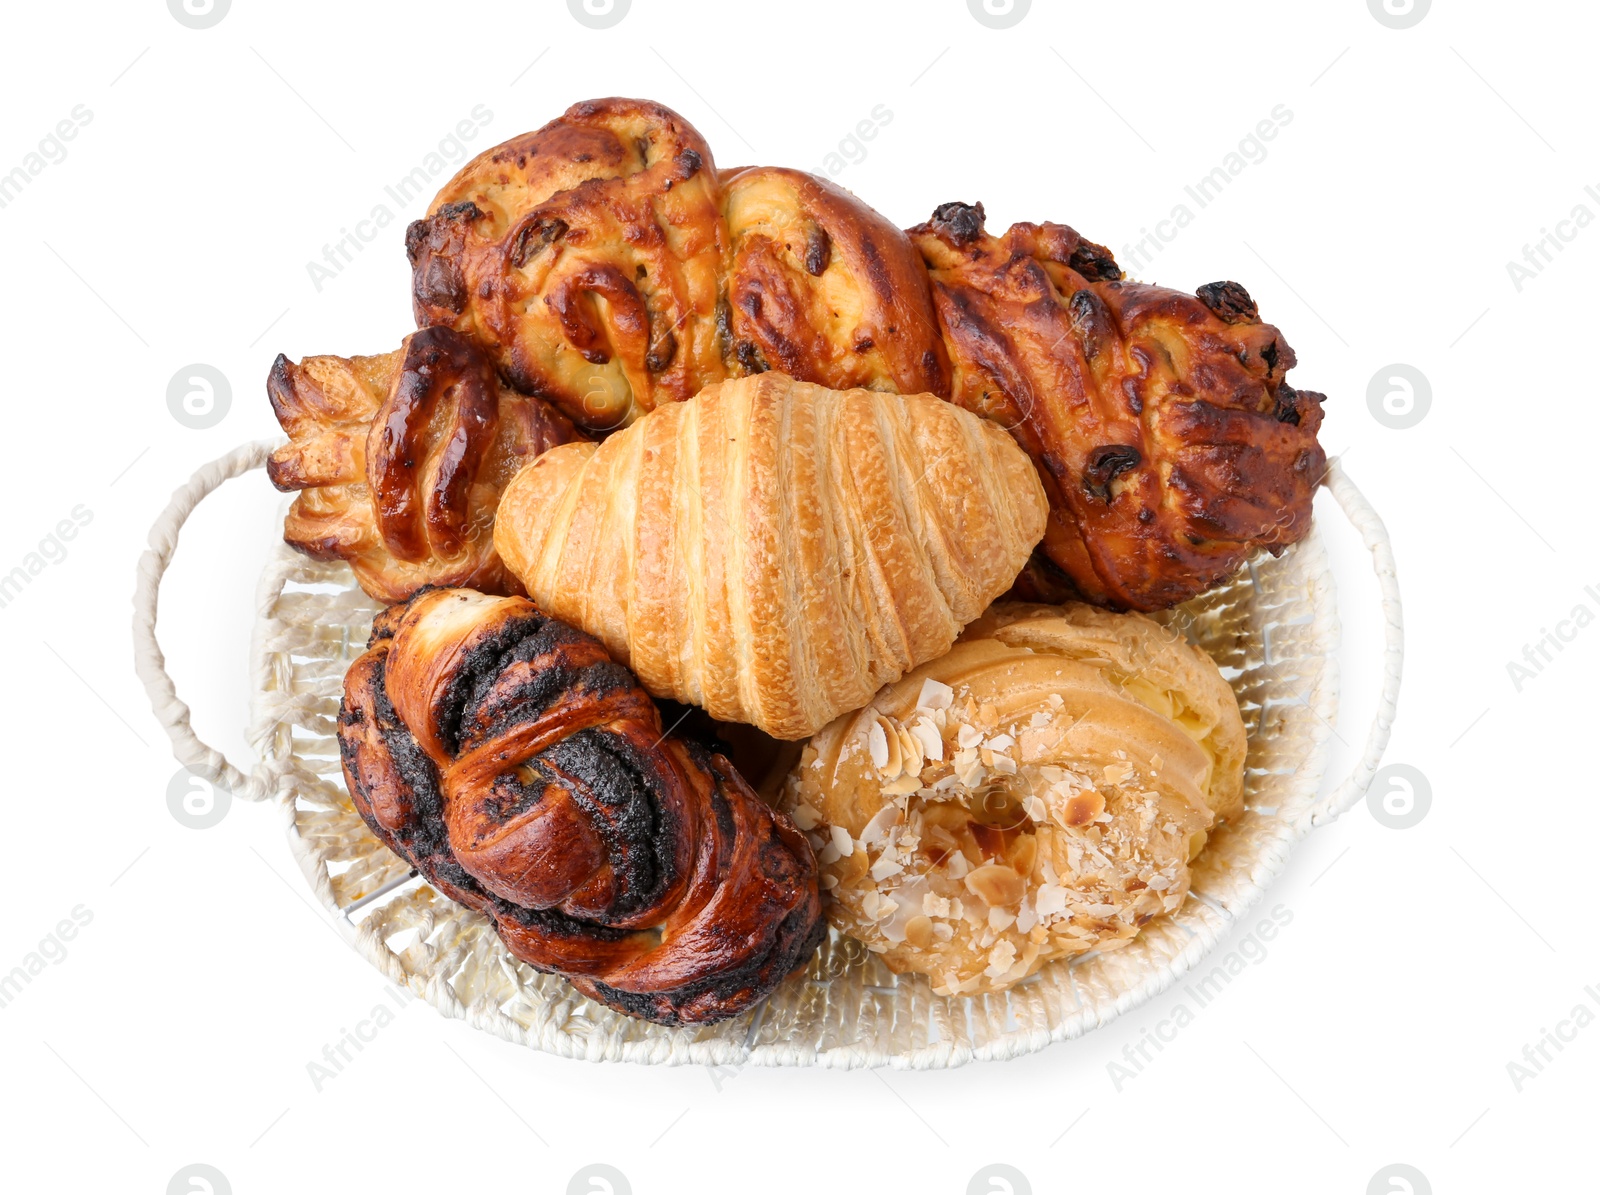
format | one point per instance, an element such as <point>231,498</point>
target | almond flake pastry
<point>1037,793</point>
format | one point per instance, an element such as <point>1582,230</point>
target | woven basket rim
<point>721,1051</point>
<point>1293,716</point>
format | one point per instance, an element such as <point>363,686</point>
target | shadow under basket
<point>1273,630</point>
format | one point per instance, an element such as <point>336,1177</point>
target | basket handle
<point>151,665</point>
<point>1376,538</point>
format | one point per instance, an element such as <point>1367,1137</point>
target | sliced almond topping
<point>886,867</point>
<point>805,817</point>
<point>911,753</point>
<point>919,932</point>
<point>878,745</point>
<point>996,885</point>
<point>893,749</point>
<point>878,827</point>
<point>929,739</point>
<point>903,786</point>
<point>1022,852</point>
<point>851,869</point>
<point>1000,959</point>
<point>1084,807</point>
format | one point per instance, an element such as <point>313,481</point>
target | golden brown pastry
<point>1035,794</point>
<point>527,776</point>
<point>609,269</point>
<point>606,265</point>
<point>774,551</point>
<point>400,460</point>
<point>823,288</point>
<point>1169,441</point>
<point>587,257</point>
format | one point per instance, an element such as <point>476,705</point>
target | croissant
<point>774,551</point>
<point>607,266</point>
<point>1037,793</point>
<point>527,776</point>
<point>400,459</point>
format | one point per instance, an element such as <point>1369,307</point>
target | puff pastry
<point>1036,793</point>
<point>527,776</point>
<point>399,460</point>
<point>774,551</point>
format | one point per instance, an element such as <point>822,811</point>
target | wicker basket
<point>1273,630</point>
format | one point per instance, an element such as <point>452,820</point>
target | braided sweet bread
<point>399,461</point>
<point>587,257</point>
<point>527,776</point>
<point>1165,434</point>
<point>606,265</point>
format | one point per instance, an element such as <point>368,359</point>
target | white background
<point>1377,230</point>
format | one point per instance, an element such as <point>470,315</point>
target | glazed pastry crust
<point>399,461</point>
<point>1034,794</point>
<point>1166,434</point>
<point>603,264</point>
<point>527,776</point>
<point>774,551</point>
<point>609,268</point>
<point>823,288</point>
<point>587,257</point>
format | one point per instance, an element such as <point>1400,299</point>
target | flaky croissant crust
<point>527,776</point>
<point>773,551</point>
